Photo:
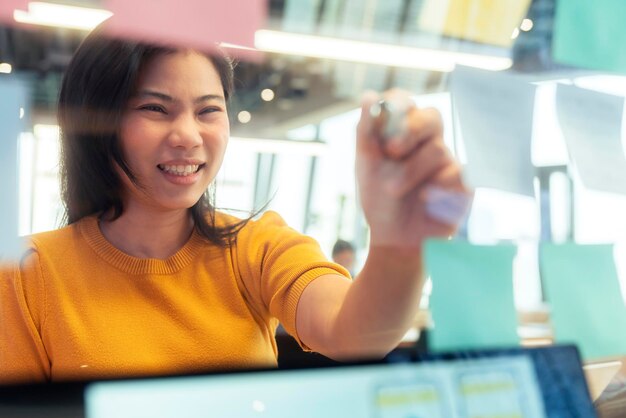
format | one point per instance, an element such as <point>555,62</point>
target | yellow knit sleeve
<point>22,298</point>
<point>276,264</point>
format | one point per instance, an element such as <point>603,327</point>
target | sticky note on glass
<point>590,34</point>
<point>581,286</point>
<point>14,96</point>
<point>483,21</point>
<point>197,24</point>
<point>7,7</point>
<point>591,123</point>
<point>472,301</point>
<point>494,118</point>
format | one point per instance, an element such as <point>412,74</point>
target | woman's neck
<point>149,234</point>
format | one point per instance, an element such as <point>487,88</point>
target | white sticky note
<point>494,117</point>
<point>591,125</point>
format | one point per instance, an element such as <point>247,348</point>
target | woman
<point>147,278</point>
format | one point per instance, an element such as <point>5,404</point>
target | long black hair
<point>97,85</point>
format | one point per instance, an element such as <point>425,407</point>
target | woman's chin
<point>178,205</point>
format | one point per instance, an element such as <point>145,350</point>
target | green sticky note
<point>590,34</point>
<point>582,288</point>
<point>472,297</point>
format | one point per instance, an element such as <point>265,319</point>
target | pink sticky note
<point>197,24</point>
<point>8,6</point>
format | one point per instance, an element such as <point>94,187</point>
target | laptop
<point>520,382</point>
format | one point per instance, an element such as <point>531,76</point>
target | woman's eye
<point>209,110</point>
<point>153,108</point>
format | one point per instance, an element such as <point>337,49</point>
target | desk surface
<point>612,402</point>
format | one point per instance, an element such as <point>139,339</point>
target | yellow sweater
<point>75,307</point>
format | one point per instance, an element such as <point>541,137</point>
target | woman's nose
<point>185,132</point>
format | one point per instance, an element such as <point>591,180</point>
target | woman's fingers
<point>419,126</point>
<point>418,167</point>
<point>366,140</point>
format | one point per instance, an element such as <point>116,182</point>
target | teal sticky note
<point>472,301</point>
<point>581,286</point>
<point>590,34</point>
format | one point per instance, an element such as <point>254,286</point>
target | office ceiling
<point>307,90</point>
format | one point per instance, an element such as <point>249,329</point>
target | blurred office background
<point>294,116</point>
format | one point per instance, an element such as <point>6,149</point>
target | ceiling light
<point>373,53</point>
<point>526,25</point>
<point>515,33</point>
<point>235,46</point>
<point>59,15</point>
<point>5,68</point>
<point>267,95</point>
<point>244,116</point>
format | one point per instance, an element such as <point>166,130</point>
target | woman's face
<point>174,131</point>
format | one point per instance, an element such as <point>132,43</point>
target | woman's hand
<point>410,189</point>
<point>410,186</point>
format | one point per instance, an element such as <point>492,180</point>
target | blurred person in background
<point>344,255</point>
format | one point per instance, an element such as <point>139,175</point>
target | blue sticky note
<point>472,301</point>
<point>590,34</point>
<point>14,95</point>
<point>582,288</point>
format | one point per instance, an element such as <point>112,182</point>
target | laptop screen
<point>558,372</point>
<point>542,382</point>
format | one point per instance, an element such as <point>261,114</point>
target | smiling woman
<point>104,93</point>
<point>173,135</point>
<point>149,278</point>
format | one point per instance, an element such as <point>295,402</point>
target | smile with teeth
<point>180,170</point>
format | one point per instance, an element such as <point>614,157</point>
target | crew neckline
<point>90,229</point>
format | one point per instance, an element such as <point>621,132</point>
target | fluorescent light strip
<point>58,15</point>
<point>373,53</point>
<point>235,46</point>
